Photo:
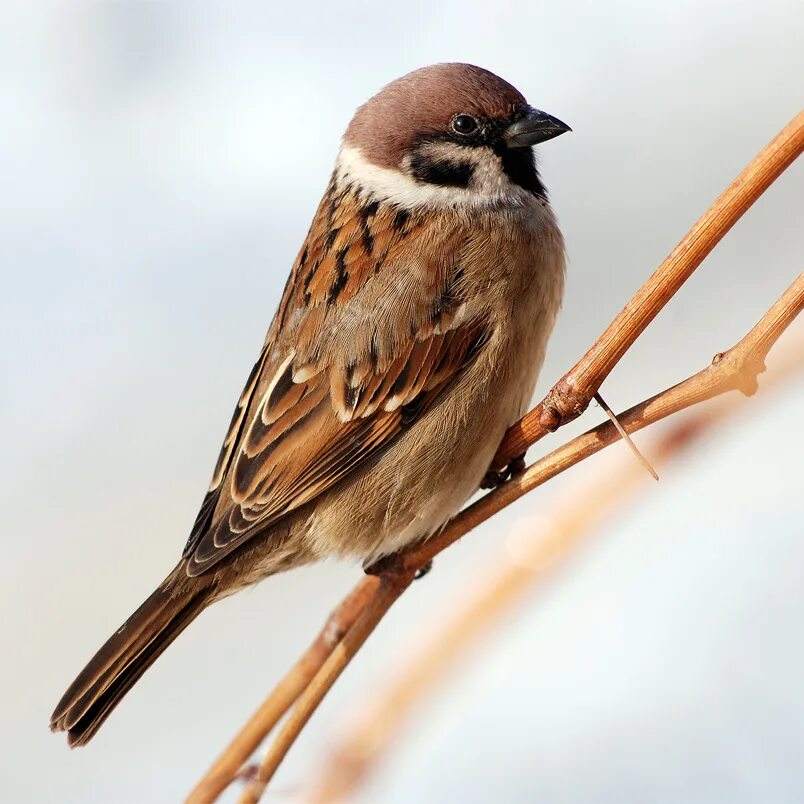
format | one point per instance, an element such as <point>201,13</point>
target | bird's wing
<point>371,330</point>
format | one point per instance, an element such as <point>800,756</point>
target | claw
<point>517,466</point>
<point>496,477</point>
<point>390,565</point>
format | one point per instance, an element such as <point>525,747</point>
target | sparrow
<point>408,338</point>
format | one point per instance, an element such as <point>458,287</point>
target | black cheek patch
<point>441,171</point>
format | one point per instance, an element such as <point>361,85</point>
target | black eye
<point>464,124</point>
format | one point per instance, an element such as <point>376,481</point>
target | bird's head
<point>447,135</point>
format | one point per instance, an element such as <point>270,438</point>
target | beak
<point>535,127</point>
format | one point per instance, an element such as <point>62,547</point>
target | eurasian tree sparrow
<point>408,339</point>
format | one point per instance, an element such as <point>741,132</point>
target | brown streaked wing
<point>373,332</point>
<point>204,518</point>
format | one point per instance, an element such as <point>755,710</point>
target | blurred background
<point>159,165</point>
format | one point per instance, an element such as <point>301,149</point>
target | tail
<point>127,654</point>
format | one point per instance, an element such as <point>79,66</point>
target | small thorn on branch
<point>627,438</point>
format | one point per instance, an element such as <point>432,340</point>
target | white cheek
<point>490,187</point>
<point>489,178</point>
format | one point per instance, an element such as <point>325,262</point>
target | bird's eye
<point>464,124</point>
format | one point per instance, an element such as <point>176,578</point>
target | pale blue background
<point>159,164</point>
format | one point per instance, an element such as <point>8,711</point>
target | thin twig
<point>625,437</point>
<point>551,542</point>
<point>282,697</point>
<point>735,369</point>
<point>386,593</point>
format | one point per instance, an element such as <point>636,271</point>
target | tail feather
<point>125,656</point>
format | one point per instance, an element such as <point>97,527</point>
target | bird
<point>409,337</point>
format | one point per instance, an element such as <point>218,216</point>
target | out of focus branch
<point>552,541</point>
<point>565,401</point>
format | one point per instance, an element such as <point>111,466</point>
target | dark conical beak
<point>535,127</point>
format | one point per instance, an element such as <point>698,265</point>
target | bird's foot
<point>392,565</point>
<point>387,565</point>
<point>496,477</point>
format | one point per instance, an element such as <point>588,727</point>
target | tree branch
<point>733,370</point>
<point>281,698</point>
<point>386,592</point>
<point>546,548</point>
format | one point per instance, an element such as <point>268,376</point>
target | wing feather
<point>371,331</point>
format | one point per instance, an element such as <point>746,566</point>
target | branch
<point>735,369</point>
<point>776,156</point>
<point>548,547</point>
<point>571,395</point>
<point>281,698</point>
<point>386,592</point>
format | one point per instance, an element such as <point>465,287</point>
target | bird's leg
<point>496,477</point>
<point>382,565</point>
<point>390,565</point>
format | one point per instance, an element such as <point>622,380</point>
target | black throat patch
<point>519,164</point>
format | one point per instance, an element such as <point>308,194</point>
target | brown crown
<point>424,102</point>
